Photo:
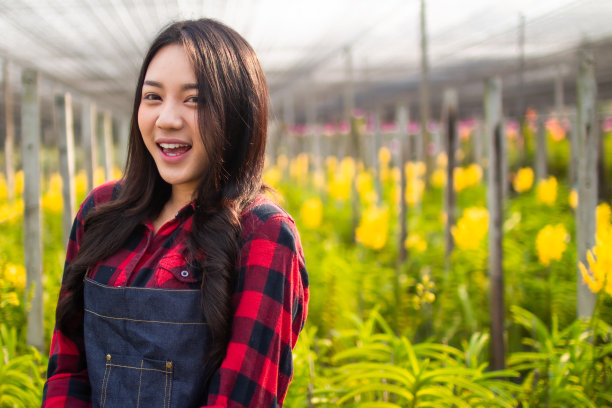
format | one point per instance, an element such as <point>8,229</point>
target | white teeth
<point>172,145</point>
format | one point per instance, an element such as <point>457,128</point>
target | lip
<point>172,159</point>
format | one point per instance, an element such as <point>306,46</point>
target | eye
<point>192,99</point>
<point>151,97</point>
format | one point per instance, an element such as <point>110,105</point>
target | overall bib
<point>145,347</point>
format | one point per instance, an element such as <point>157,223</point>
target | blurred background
<point>447,164</point>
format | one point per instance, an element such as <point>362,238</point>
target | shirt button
<point>184,274</point>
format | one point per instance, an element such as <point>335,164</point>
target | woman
<point>184,285</point>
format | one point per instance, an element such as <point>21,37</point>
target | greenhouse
<point>448,166</point>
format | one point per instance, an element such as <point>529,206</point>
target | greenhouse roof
<point>94,47</point>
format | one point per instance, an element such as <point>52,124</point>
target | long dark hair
<point>232,120</point>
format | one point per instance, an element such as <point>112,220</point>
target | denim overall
<point>145,347</point>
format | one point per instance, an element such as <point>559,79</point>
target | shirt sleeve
<point>270,308</point>
<point>67,382</point>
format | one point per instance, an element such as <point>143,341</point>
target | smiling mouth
<point>173,149</point>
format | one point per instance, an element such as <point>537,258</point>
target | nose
<point>169,116</point>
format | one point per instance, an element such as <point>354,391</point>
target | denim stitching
<point>139,288</point>
<point>139,384</point>
<point>142,320</point>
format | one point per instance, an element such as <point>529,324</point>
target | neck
<point>180,197</point>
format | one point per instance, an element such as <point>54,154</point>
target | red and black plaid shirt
<point>270,297</point>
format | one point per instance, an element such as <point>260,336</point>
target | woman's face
<point>168,119</point>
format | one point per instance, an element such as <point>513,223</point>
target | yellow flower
<point>14,275</point>
<point>523,180</point>
<point>10,299</point>
<point>395,174</point>
<point>372,229</point>
<point>117,173</point>
<point>298,168</point>
<point>19,182</point>
<point>416,243</point>
<point>414,191</point>
<point>347,167</point>
<point>424,292</point>
<point>12,210</point>
<point>80,183</point>
<point>272,176</point>
<point>599,274</point>
<point>438,178</point>
<point>3,188</point>
<point>414,169</point>
<point>547,190</point>
<point>319,179</point>
<point>384,156</point>
<point>99,176</point>
<point>414,183</point>
<point>339,188</point>
<point>282,162</point>
<point>52,200</point>
<point>551,243</point>
<point>471,228</point>
<point>442,160</point>
<point>364,184</point>
<point>331,163</point>
<point>602,215</point>
<point>465,177</point>
<point>312,212</point>
<point>573,199</point>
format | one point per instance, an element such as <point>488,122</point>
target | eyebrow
<point>159,85</point>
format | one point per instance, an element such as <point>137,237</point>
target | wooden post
<point>376,163</point>
<point>314,132</point>
<point>63,104</point>
<point>559,102</point>
<point>402,125</point>
<point>271,142</point>
<point>30,125</point>
<point>477,140</point>
<point>587,174</point>
<point>355,150</point>
<point>107,129</point>
<point>541,151</point>
<point>449,121</point>
<point>603,188</point>
<point>493,117</point>
<point>289,121</point>
<point>573,138</point>
<point>89,125</point>
<point>124,137</point>
<point>521,88</point>
<point>403,138</point>
<point>9,141</point>
<point>423,136</point>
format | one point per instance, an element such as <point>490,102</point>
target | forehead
<point>171,64</point>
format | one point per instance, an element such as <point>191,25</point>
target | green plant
<point>386,370</point>
<point>21,373</point>
<point>562,368</point>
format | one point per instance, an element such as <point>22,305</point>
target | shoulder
<point>266,220</point>
<point>101,194</point>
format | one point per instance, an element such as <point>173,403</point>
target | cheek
<point>145,123</point>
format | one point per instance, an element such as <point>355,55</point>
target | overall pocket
<point>130,381</point>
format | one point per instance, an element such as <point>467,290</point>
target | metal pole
<point>107,128</point>
<point>63,104</point>
<point>493,115</point>
<point>449,119</point>
<point>9,141</point>
<point>30,125</point>
<point>423,136</point>
<point>587,175</point>
<point>541,164</point>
